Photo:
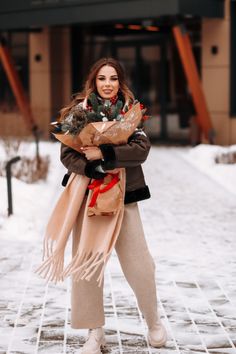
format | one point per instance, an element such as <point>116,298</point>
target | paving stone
<point>190,224</point>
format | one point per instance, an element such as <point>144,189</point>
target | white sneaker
<point>157,335</point>
<point>96,340</point>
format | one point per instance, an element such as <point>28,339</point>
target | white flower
<point>119,117</point>
<point>107,103</point>
<point>69,118</point>
<point>104,119</point>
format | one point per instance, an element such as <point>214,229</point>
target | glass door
<point>145,65</point>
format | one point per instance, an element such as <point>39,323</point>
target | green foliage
<point>97,110</point>
<point>92,117</point>
<point>94,101</point>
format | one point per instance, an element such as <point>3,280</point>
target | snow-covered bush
<point>30,168</point>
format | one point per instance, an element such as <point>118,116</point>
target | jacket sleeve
<point>77,163</point>
<point>132,154</point>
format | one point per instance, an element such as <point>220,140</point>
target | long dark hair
<point>90,84</point>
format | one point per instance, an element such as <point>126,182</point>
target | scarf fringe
<point>81,267</point>
<point>86,265</point>
<point>52,268</point>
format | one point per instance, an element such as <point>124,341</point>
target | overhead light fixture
<point>135,27</point>
<point>152,28</point>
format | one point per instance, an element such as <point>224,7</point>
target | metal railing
<point>9,188</point>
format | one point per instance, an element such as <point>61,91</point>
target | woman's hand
<point>92,153</point>
<point>116,170</point>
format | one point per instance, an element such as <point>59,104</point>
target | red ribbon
<point>97,183</point>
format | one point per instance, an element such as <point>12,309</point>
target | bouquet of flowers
<point>98,123</point>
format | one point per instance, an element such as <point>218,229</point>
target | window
<point>17,44</point>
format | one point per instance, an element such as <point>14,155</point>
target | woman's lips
<point>107,91</point>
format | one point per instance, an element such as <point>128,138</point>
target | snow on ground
<point>190,225</point>
<point>203,157</point>
<point>29,200</point>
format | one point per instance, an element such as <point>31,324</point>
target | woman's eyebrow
<point>100,75</point>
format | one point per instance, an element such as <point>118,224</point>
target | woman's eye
<point>111,79</point>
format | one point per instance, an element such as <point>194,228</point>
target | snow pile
<point>203,157</point>
<point>31,202</point>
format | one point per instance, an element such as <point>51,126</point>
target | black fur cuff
<point>90,170</point>
<point>137,195</point>
<point>109,156</point>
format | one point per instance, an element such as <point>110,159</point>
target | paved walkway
<point>190,224</point>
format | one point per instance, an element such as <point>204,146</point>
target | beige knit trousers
<point>87,309</point>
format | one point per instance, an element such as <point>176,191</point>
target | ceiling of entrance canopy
<point>15,14</point>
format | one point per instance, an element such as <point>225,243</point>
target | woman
<point>107,80</point>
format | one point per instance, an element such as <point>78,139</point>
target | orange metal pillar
<point>190,68</point>
<point>17,88</point>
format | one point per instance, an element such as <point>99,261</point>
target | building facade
<point>53,48</point>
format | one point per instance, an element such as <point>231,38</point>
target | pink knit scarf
<point>97,239</point>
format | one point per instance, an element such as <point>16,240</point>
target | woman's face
<point>107,82</point>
